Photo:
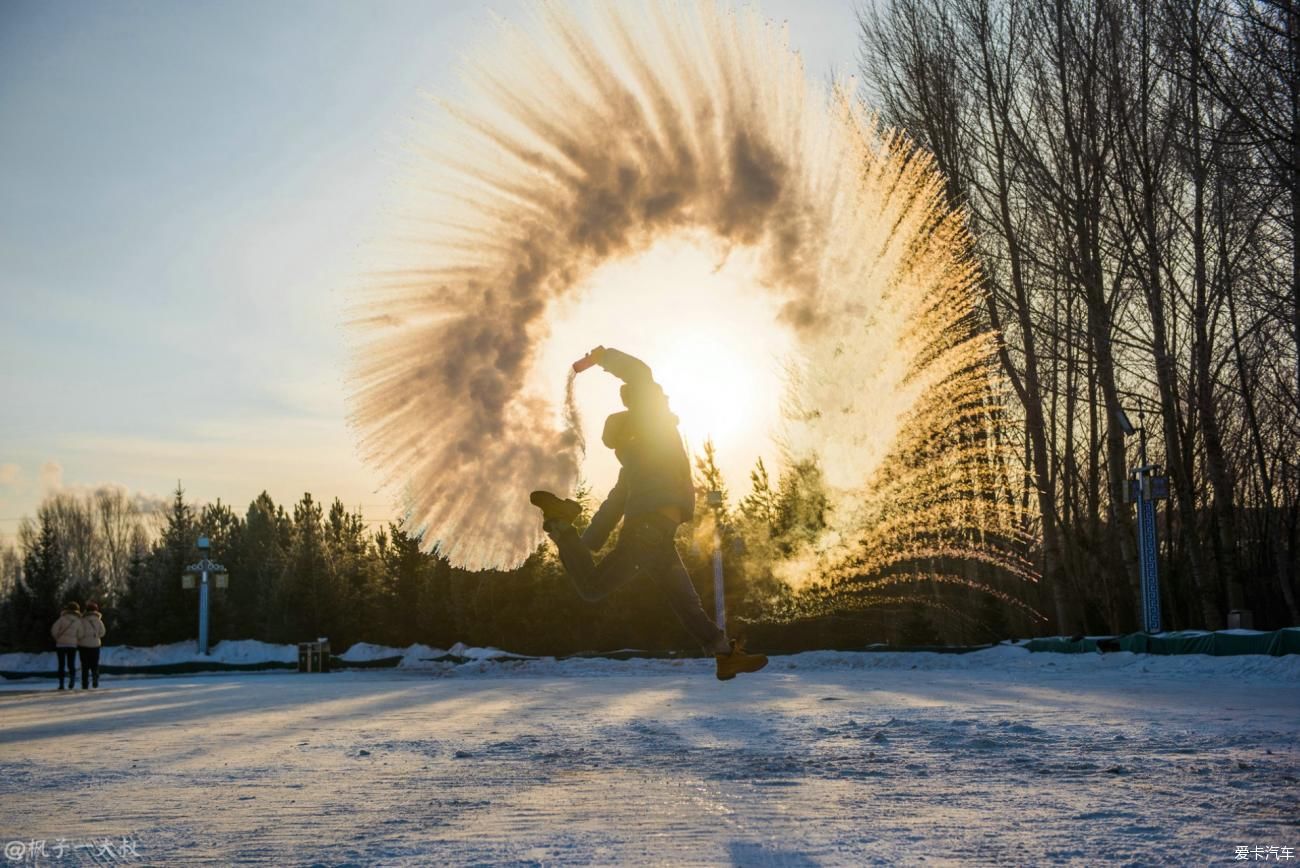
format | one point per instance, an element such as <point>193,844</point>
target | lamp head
<point>1124,424</point>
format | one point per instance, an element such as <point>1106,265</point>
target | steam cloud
<point>589,138</point>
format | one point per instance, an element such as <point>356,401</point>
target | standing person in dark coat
<point>65,632</point>
<point>89,637</point>
<point>654,495</point>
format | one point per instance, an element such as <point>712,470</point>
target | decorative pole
<point>1144,487</point>
<point>719,595</point>
<point>203,570</point>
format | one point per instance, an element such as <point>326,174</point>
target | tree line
<point>1131,172</point>
<point>312,571</point>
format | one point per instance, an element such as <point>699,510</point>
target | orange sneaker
<point>738,660</point>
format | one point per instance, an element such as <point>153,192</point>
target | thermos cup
<point>587,361</point>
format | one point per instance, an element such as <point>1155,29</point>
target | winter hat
<point>72,607</point>
<point>643,396</point>
<point>92,607</point>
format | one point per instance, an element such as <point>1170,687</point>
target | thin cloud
<point>51,477</point>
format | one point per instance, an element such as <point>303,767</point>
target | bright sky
<point>187,188</point>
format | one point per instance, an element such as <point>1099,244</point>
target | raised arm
<point>627,368</point>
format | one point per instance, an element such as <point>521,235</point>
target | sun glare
<point>698,315</point>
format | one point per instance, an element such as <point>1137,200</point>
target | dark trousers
<point>89,667</point>
<point>645,546</point>
<point>68,657</point>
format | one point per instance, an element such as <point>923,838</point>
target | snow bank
<point>23,662</point>
<point>417,656</point>
<point>1010,659</point>
<point>460,649</point>
<point>240,651</point>
<point>235,651</point>
<point>467,661</point>
<point>364,652</point>
<point>996,662</point>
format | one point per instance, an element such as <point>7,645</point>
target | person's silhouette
<point>653,496</point>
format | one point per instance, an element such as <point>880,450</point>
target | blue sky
<point>187,188</point>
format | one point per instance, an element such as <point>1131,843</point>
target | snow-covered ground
<point>1000,756</point>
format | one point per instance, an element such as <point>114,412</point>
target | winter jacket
<point>91,630</point>
<point>655,471</point>
<point>65,630</point>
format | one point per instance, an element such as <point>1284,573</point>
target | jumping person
<point>89,636</point>
<point>653,496</point>
<point>64,632</point>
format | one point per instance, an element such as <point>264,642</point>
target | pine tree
<point>352,562</point>
<point>759,507</point>
<point>169,610</point>
<point>708,479</point>
<point>36,597</point>
<point>256,563</point>
<point>309,583</point>
<point>133,587</point>
<point>802,505</point>
<point>403,578</point>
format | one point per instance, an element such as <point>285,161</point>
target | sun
<point>696,313</point>
<point>717,384</point>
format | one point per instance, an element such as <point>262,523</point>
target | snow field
<point>997,757</point>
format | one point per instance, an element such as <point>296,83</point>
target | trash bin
<point>304,656</point>
<point>314,656</point>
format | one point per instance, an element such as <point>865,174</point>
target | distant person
<point>653,496</point>
<point>65,632</point>
<point>89,636</point>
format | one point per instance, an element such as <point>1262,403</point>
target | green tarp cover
<point>1220,644</point>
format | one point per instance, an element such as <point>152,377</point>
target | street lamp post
<point>204,570</point>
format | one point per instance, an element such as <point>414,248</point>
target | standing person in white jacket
<point>89,635</point>
<point>65,631</point>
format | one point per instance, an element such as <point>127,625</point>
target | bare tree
<point>1121,162</point>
